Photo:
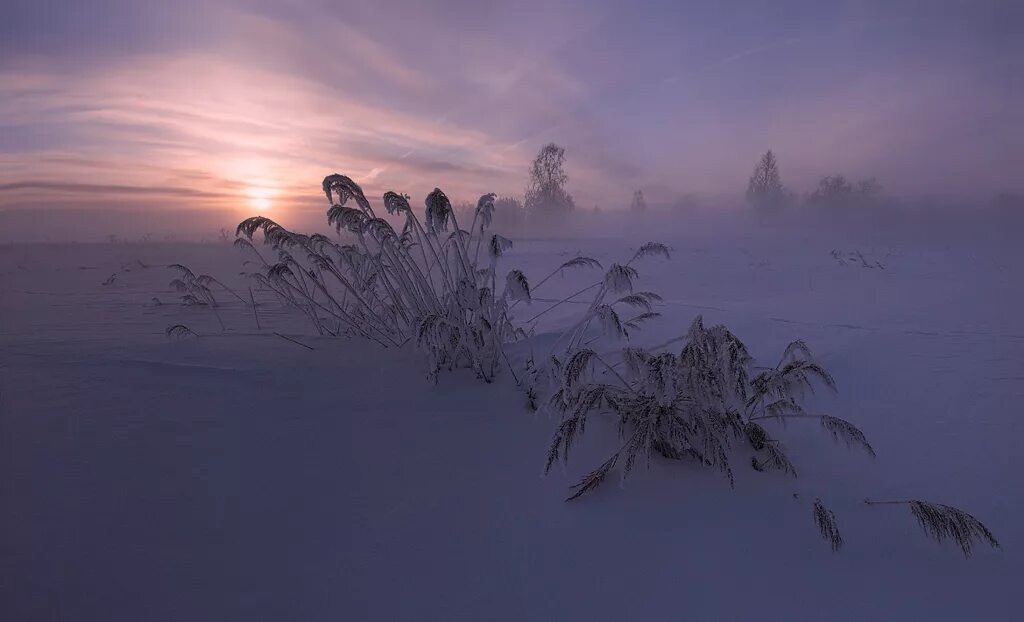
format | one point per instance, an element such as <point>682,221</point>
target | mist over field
<point>996,216</point>
<point>511,311</point>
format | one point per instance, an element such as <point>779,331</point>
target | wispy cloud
<point>462,99</point>
<point>732,58</point>
<point>104,189</point>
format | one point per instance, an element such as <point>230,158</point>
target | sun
<point>259,198</point>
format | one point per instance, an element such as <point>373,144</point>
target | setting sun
<point>259,198</point>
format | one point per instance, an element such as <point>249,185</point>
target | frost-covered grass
<point>259,478</point>
<point>422,284</point>
<point>694,406</point>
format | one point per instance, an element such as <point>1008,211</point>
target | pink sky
<point>244,106</point>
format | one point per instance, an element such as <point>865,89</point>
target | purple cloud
<point>190,105</point>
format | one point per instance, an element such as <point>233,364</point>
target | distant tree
<point>832,190</point>
<point>836,191</point>
<point>508,213</point>
<point>869,189</point>
<point>639,204</point>
<point>764,190</point>
<point>546,197</point>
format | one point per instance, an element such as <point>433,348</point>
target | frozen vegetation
<point>817,411</point>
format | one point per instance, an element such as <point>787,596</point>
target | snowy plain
<point>238,475</point>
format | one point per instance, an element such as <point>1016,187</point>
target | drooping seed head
<point>396,203</point>
<point>439,209</point>
<point>485,210</point>
<point>343,186</point>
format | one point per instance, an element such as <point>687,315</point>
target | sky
<point>247,105</point>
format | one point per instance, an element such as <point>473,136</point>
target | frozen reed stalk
<point>945,522</point>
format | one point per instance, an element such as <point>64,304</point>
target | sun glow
<point>259,198</point>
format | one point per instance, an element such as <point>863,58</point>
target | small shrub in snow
<point>694,405</point>
<point>703,405</point>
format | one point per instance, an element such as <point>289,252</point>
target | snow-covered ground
<point>238,475</point>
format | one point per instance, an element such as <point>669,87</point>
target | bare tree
<point>639,203</point>
<point>546,196</point>
<point>765,187</point>
<point>836,191</point>
<point>832,190</point>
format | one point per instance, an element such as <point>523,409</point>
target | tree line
<point>546,199</point>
